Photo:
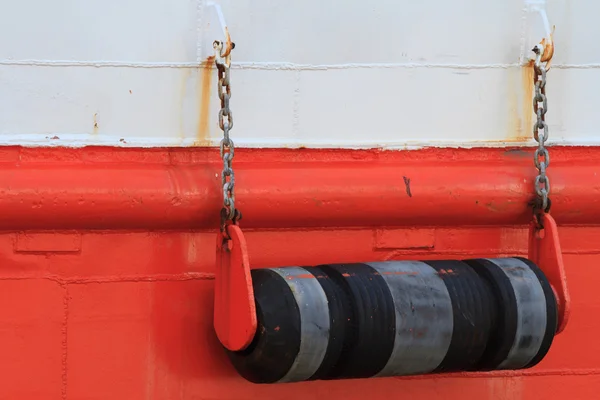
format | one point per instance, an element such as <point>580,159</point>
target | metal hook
<point>222,48</point>
<point>545,48</point>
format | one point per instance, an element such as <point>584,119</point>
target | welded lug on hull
<point>234,309</point>
<point>545,251</point>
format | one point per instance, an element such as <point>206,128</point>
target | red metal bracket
<point>235,312</point>
<point>545,251</point>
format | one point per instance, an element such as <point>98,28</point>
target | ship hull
<point>108,260</point>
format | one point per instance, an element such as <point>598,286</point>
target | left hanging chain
<point>235,313</point>
<point>229,213</point>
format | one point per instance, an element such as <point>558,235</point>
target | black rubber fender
<point>504,327</point>
<point>551,313</point>
<point>308,310</point>
<point>277,340</point>
<point>370,331</point>
<point>535,313</point>
<point>338,316</point>
<point>471,307</point>
<point>424,318</point>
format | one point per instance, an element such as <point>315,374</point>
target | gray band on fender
<point>314,322</point>
<point>424,318</point>
<point>531,312</point>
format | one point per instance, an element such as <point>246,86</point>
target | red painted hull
<point>108,255</point>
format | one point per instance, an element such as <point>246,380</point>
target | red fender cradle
<point>235,311</point>
<point>545,251</point>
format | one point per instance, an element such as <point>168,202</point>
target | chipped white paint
<point>351,73</point>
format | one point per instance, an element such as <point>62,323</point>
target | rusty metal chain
<point>540,130</point>
<point>223,63</point>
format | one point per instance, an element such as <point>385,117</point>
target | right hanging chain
<point>229,213</point>
<point>543,54</point>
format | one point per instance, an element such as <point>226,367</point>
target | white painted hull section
<point>352,74</point>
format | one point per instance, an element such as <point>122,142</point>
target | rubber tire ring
<point>336,299</point>
<point>551,313</point>
<point>277,340</point>
<point>371,330</point>
<point>504,329</point>
<point>470,298</point>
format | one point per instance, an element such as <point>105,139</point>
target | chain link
<point>540,132</point>
<point>229,212</point>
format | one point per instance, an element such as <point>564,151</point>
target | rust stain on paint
<point>95,130</point>
<point>187,73</point>
<point>514,109</point>
<point>520,105</point>
<point>407,184</point>
<point>527,103</point>
<point>205,83</point>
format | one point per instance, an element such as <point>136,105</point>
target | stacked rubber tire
<point>398,318</point>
